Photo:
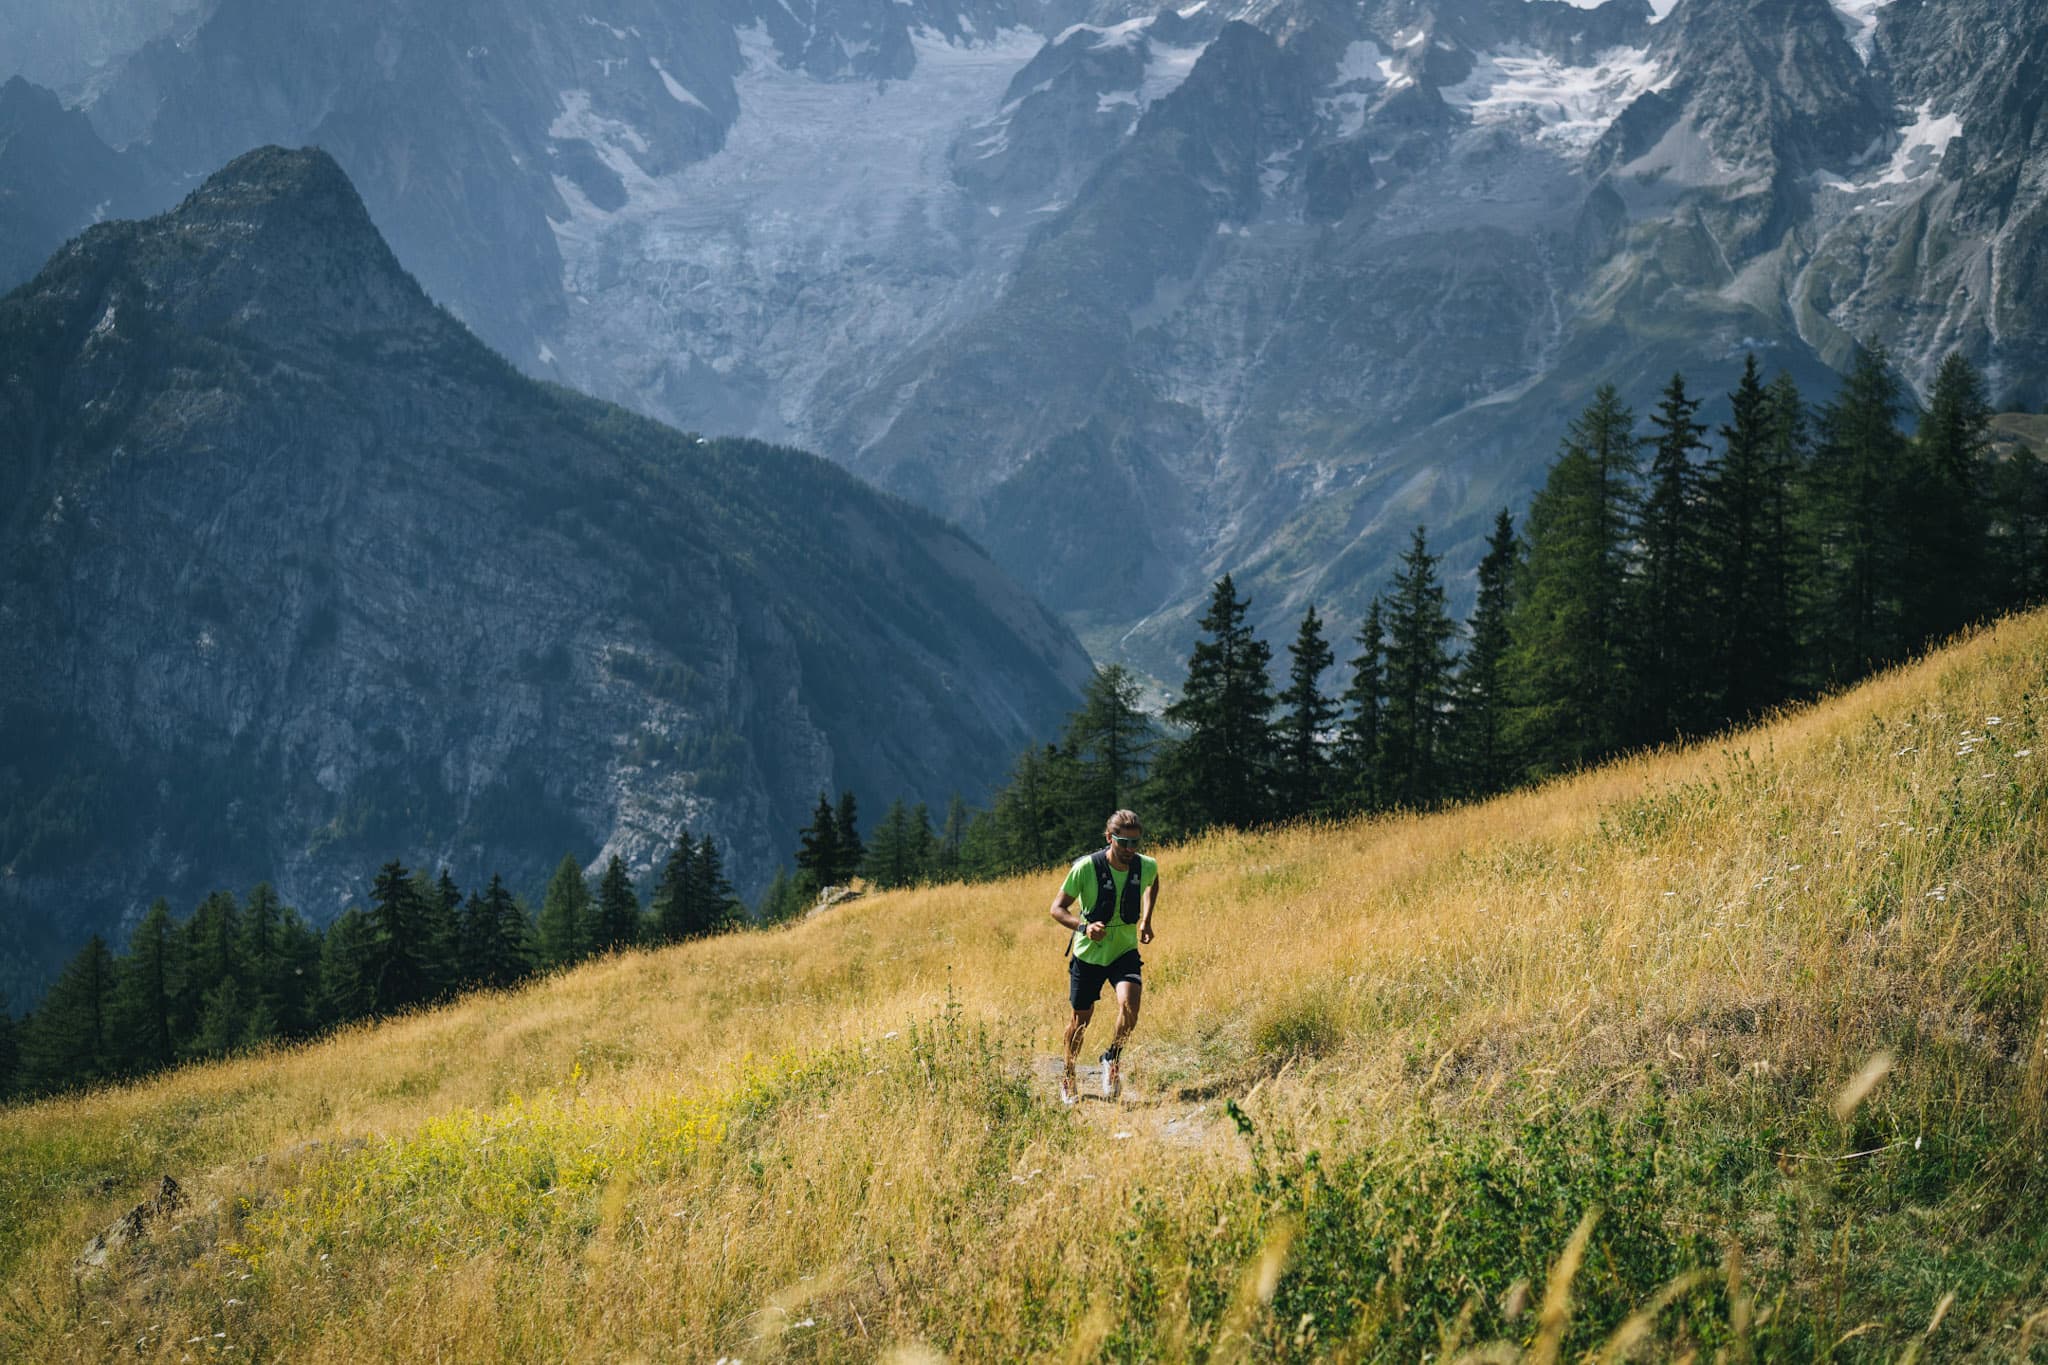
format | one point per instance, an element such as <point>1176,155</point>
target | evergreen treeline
<point>1665,582</point>
<point>238,974</point>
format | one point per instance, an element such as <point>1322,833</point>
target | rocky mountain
<point>1287,277</point>
<point>296,575</point>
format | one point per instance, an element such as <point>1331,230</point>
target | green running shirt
<point>1119,938</point>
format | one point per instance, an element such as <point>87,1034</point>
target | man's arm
<point>1151,903</point>
<point>1068,919</point>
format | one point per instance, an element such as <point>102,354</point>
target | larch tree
<point>564,930</point>
<point>1569,656</point>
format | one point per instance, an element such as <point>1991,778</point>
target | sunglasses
<point>1127,840</point>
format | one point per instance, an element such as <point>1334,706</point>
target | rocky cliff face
<point>295,575</point>
<point>1292,276</point>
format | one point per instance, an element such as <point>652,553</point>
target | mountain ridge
<point>868,232</point>
<point>299,575</point>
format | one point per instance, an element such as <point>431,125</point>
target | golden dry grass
<point>838,1140</point>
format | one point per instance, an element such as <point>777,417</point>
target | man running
<point>1116,916</point>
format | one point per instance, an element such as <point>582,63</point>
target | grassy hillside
<point>1738,1050</point>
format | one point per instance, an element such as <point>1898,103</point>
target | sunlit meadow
<point>1736,1051</point>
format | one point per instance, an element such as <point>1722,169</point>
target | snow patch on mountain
<point>1115,35</point>
<point>675,88</point>
<point>613,139</point>
<point>1921,146</point>
<point>1166,66</point>
<point>1859,21</point>
<point>1361,74</point>
<point>1565,107</point>
<point>698,299</point>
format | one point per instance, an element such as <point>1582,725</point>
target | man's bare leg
<point>1076,1026</point>
<point>1129,995</point>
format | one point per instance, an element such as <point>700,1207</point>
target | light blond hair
<point>1122,817</point>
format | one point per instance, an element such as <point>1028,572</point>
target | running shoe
<point>1112,1077</point>
<point>1070,1089</point>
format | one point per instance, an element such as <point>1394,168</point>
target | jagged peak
<point>277,243</point>
<point>276,185</point>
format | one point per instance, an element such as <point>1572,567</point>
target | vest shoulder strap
<point>1105,888</point>
<point>1107,909</point>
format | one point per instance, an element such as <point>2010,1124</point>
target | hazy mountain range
<point>1286,278</point>
<point>297,576</point>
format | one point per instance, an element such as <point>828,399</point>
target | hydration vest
<point>1105,891</point>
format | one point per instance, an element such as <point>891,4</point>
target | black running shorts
<point>1085,979</point>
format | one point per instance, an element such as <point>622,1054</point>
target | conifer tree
<point>901,849</point>
<point>671,908</point>
<point>820,853</point>
<point>1479,744</point>
<point>1945,569</point>
<point>1852,505</point>
<point>1358,741</point>
<point>1738,535</point>
<point>212,954</point>
<point>1029,821</point>
<point>1673,632</point>
<point>67,1042</point>
<point>1775,579</point>
<point>888,858</point>
<point>949,857</point>
<point>1110,742</point>
<point>294,995</point>
<point>494,935</point>
<point>440,933</point>
<point>1569,657</point>
<point>398,968</point>
<point>924,843</point>
<point>259,1026</point>
<point>1418,680</point>
<point>2019,499</point>
<point>262,945</point>
<point>982,853</point>
<point>1221,772</point>
<point>472,929</point>
<point>719,908</point>
<point>348,961</point>
<point>782,901</point>
<point>617,921</point>
<point>1303,776</point>
<point>223,1021</point>
<point>146,994</point>
<point>565,928</point>
<point>851,850</point>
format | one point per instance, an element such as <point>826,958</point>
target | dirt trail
<point>1141,1112</point>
